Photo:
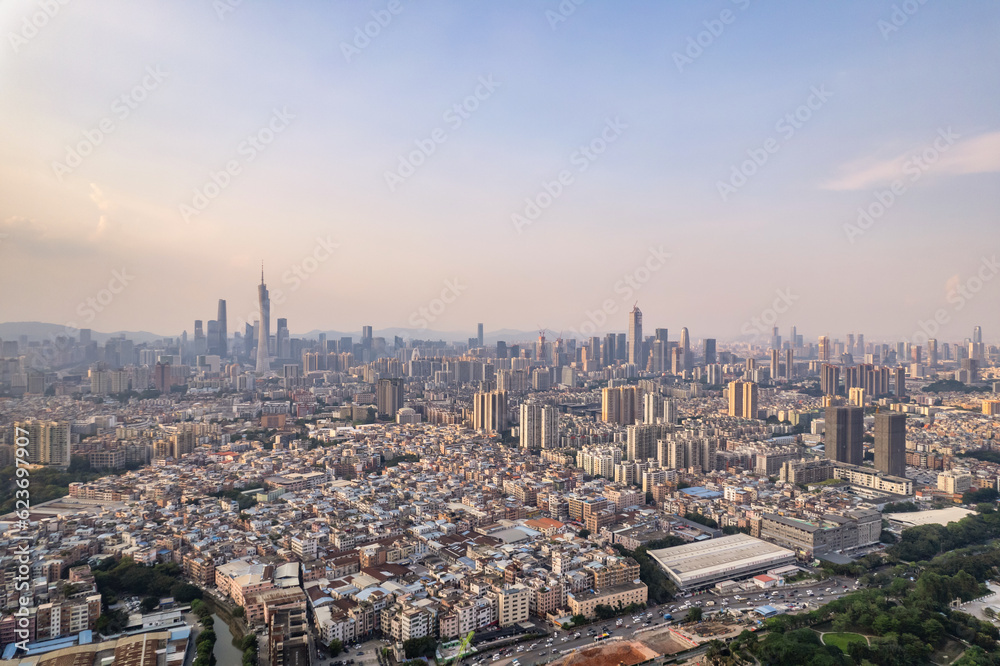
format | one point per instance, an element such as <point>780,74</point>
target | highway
<point>543,651</point>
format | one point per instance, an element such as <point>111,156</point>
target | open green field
<point>843,640</point>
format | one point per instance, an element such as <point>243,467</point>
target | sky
<point>726,165</point>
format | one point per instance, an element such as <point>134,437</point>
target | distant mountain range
<point>36,330</point>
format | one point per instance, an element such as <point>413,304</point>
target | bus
<point>601,637</point>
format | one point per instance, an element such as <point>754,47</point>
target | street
<point>543,650</point>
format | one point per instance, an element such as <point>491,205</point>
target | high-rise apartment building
<point>539,426</point>
<point>890,443</point>
<point>489,411</point>
<point>844,433</point>
<point>389,396</point>
<point>829,379</point>
<point>621,404</point>
<point>743,399</point>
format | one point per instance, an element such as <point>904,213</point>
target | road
<point>544,653</point>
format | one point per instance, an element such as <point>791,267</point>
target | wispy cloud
<point>103,205</point>
<point>977,154</point>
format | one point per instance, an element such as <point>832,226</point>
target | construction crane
<point>462,648</point>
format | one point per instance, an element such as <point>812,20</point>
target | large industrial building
<point>702,564</point>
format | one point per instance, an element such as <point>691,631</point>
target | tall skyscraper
<point>685,344</point>
<point>775,356</point>
<point>635,354</point>
<point>710,355</point>
<point>479,331</point>
<point>264,328</point>
<point>977,334</point>
<point>824,348</point>
<point>223,329</point>
<point>200,342</point>
<point>212,335</point>
<point>789,363</point>
<point>829,379</point>
<point>890,443</point>
<point>844,433</point>
<point>900,382</point>
<point>281,342</point>
<point>608,355</point>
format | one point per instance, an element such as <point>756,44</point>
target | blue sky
<point>887,95</point>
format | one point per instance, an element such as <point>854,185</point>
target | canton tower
<point>263,326</point>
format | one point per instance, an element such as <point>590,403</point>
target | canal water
<point>226,652</point>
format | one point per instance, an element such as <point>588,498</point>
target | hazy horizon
<point>292,121</point>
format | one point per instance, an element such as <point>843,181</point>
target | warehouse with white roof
<point>702,564</point>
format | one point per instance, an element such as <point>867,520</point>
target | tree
<point>149,604</point>
<point>584,533</point>
<point>336,647</point>
<point>419,647</point>
<point>604,612</point>
<point>649,497</point>
<point>240,612</point>
<point>695,614</point>
<point>988,494</point>
<point>185,592</point>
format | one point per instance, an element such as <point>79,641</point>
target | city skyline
<point>294,146</point>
